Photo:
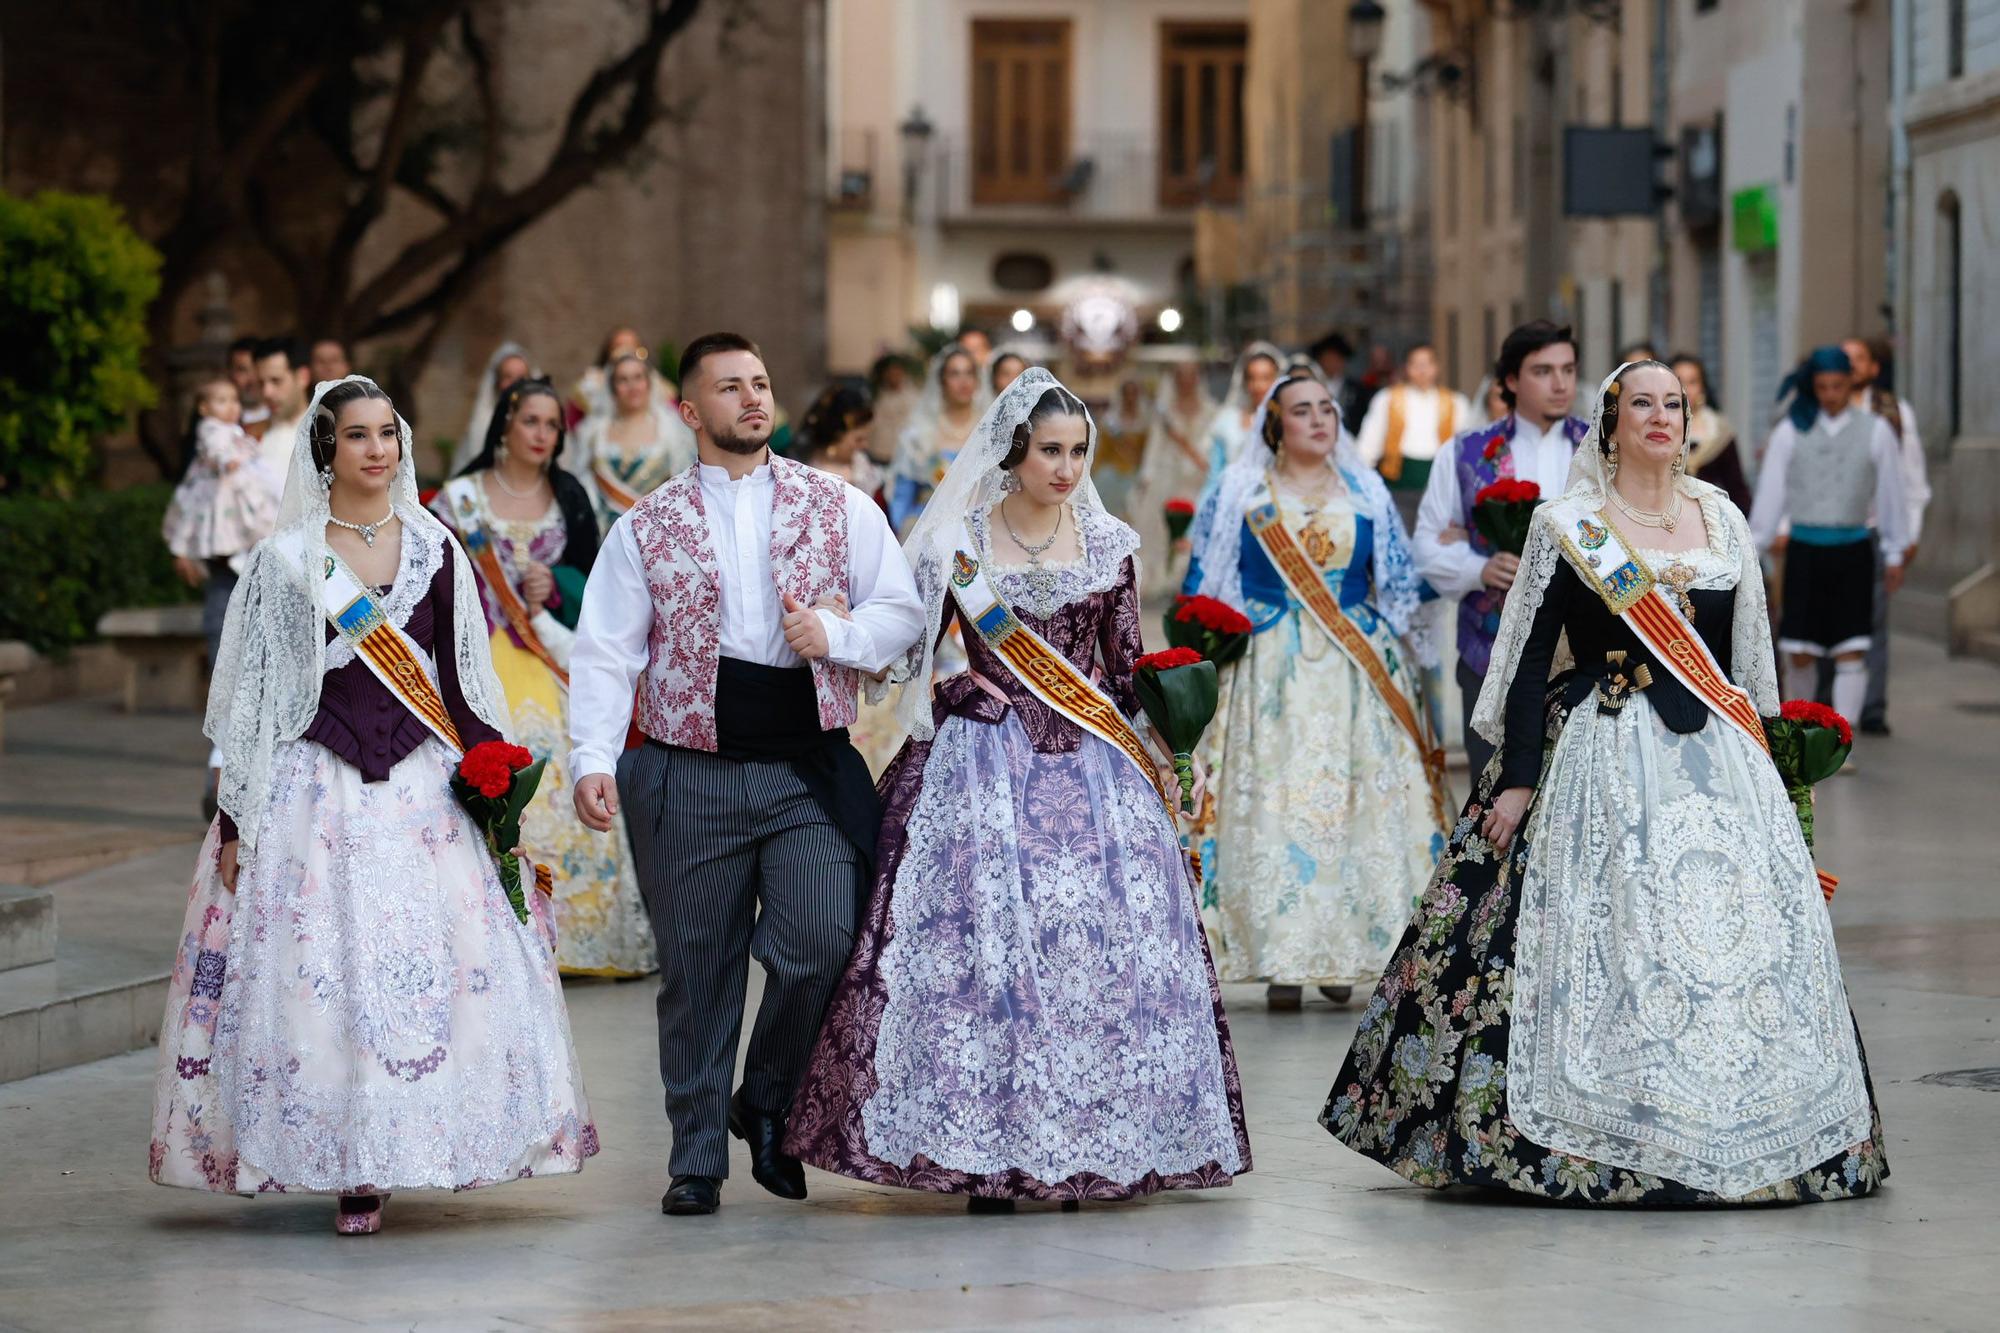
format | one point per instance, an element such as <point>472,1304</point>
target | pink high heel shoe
<point>360,1214</point>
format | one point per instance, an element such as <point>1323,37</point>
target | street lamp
<point>916,133</point>
<point>1365,19</point>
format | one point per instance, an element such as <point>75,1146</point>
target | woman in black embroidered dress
<point>1621,985</point>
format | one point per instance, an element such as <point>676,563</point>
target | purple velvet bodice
<point>1098,633</point>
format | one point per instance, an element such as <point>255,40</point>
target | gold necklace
<point>1648,518</point>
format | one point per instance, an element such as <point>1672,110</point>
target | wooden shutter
<point>1020,110</point>
<point>1201,112</point>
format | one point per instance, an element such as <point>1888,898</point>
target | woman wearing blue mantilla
<point>1327,808</point>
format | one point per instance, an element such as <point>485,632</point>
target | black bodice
<point>1569,606</point>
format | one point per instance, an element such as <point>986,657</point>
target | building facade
<point>985,159</point>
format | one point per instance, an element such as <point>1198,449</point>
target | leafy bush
<point>64,563</point>
<point>75,282</point>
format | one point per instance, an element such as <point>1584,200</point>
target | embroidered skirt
<point>365,1012</point>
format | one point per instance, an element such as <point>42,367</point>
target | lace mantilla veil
<point>1234,400</point>
<point>483,402</point>
<point>266,684</point>
<point>1217,533</point>
<point>912,456</point>
<point>1589,486</point>
<point>973,484</point>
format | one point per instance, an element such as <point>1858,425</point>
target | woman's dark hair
<point>579,518</point>
<point>1274,421</point>
<point>327,419</point>
<point>1701,368</point>
<point>839,408</point>
<point>1615,390</point>
<point>880,370</point>
<point>993,366</point>
<point>1055,401</point>
<point>1522,343</point>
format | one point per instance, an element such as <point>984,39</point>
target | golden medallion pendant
<point>1318,543</point>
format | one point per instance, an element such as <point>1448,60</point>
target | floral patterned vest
<point>1482,457</point>
<point>809,560</point>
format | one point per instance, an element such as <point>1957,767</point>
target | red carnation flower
<point>1170,657</point>
<point>1180,506</point>
<point>1211,614</point>
<point>1492,449</point>
<point>1807,713</point>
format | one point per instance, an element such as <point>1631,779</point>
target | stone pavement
<point>1315,1238</point>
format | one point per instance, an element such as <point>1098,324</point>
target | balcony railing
<point>1104,178</point>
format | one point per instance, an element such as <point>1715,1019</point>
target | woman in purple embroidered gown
<point>354,1005</point>
<point>1031,1011</point>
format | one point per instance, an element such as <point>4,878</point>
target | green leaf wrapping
<point>1504,523</point>
<point>1179,702</point>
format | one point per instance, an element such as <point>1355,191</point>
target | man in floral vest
<point>1533,442</point>
<point>740,603</point>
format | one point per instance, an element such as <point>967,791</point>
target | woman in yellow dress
<point>528,528</point>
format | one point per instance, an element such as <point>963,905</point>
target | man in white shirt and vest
<point>741,602</point>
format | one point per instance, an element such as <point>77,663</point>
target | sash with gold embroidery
<point>1307,582</point>
<point>1049,675</point>
<point>485,557</point>
<point>378,641</point>
<point>619,496</point>
<point>1631,592</point>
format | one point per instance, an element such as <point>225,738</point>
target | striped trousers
<point>736,861</point>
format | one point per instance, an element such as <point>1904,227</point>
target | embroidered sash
<point>390,653</point>
<point>485,557</point>
<point>1049,675</point>
<point>1631,592</point>
<point>1308,584</point>
<point>615,491</point>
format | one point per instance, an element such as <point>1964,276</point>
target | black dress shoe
<point>762,1133</point>
<point>982,1203</point>
<point>691,1196</point>
<point>1874,726</point>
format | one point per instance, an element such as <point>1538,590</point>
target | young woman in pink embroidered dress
<point>354,1006</point>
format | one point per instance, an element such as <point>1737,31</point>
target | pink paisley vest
<point>809,559</point>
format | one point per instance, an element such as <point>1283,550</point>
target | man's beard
<point>730,442</point>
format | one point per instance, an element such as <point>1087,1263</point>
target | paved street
<point>1315,1238</point>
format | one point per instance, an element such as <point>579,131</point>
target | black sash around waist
<point>767,714</point>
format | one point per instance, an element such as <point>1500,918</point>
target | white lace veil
<point>1235,401</point>
<point>1216,536</point>
<point>913,448</point>
<point>973,484</point>
<point>483,400</point>
<point>1589,487</point>
<point>266,684</point>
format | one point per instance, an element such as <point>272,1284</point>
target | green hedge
<point>64,563</point>
<point>75,282</point>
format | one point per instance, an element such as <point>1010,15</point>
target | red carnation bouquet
<point>1180,516</point>
<point>1177,691</point>
<point>494,782</point>
<point>1503,511</point>
<point>1215,630</point>
<point>1809,744</point>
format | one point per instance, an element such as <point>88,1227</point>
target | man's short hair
<point>292,349</point>
<point>1416,347</point>
<point>713,344</point>
<point>247,343</point>
<point>1334,343</point>
<point>1522,343</point>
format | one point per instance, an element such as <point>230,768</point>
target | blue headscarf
<point>1799,384</point>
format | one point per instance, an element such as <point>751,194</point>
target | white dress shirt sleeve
<point>1452,568</point>
<point>1767,507</point>
<point>1892,507</point>
<point>1373,437</point>
<point>1916,474</point>
<point>887,616</point>
<point>608,655</point>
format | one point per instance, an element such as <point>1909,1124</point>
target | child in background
<point>224,506</point>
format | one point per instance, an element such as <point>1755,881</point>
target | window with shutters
<point>1020,110</point>
<point>1201,112</point>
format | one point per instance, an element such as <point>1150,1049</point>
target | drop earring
<point>1010,483</point>
<point>1611,457</point>
<point>326,478</point>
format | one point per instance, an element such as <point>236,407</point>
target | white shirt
<point>1420,423</point>
<point>611,652</point>
<point>1768,512</point>
<point>274,453</point>
<point>1916,473</point>
<point>1453,568</point>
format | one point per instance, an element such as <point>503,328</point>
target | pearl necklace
<point>528,494</point>
<point>367,530</point>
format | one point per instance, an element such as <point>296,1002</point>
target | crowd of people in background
<point>1330,504</point>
